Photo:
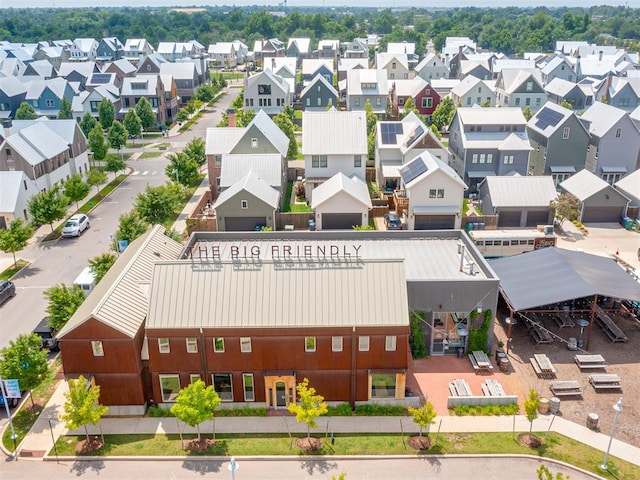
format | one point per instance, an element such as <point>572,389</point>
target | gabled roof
<point>11,86</point>
<point>409,87</point>
<point>555,63</point>
<point>312,65</point>
<point>467,84</point>
<point>10,186</point>
<point>271,131</point>
<point>521,191</point>
<point>430,60</point>
<point>401,47</point>
<point>356,78</point>
<point>180,71</point>
<point>148,83</point>
<point>266,166</point>
<point>83,68</point>
<point>515,141</point>
<point>37,143</point>
<point>630,184</point>
<point>424,165</point>
<point>220,48</point>
<point>85,44</point>
<point>334,132</point>
<point>384,59</point>
<point>549,119</point>
<point>302,44</point>
<point>500,64</point>
<point>584,185</point>
<point>618,84</point>
<point>254,185</point>
<point>332,44</point>
<point>41,68</point>
<point>512,78</point>
<point>313,82</point>
<point>491,116</point>
<point>602,118</point>
<point>124,65</point>
<point>121,299</point>
<point>275,79</point>
<point>66,129</point>
<point>346,64</point>
<point>35,88</point>
<point>341,184</point>
<point>560,87</point>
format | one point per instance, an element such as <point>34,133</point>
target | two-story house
<point>299,48</point>
<point>135,49</point>
<point>88,101</point>
<point>54,55</point>
<point>358,48</point>
<point>311,67</point>
<point>405,48</point>
<point>431,67</point>
<point>559,141</point>
<point>45,95</point>
<point>333,142</point>
<point>148,86</point>
<point>150,65</point>
<point>520,88</point>
<point>78,72</point>
<point>424,97</point>
<point>12,93</point>
<point>473,91</point>
<point>623,93</point>
<point>268,92</point>
<point>83,49</point>
<point>223,54</point>
<point>328,49</point>
<point>16,189</point>
<point>110,49</point>
<point>367,86</point>
<point>122,68</point>
<point>39,69</point>
<point>488,141</point>
<point>319,94</point>
<point>185,76</point>
<point>579,95</point>
<point>396,65</point>
<point>266,49</point>
<point>558,67</point>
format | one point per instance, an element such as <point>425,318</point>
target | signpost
<point>233,466</point>
<point>10,389</point>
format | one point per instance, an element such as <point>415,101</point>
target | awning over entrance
<point>481,174</point>
<point>562,169</point>
<point>435,209</point>
<point>553,275</point>
<point>391,171</point>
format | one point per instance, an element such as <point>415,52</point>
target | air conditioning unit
<point>548,230</point>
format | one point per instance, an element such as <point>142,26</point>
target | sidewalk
<point>38,441</point>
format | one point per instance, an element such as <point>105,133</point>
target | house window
<point>245,344</point>
<point>163,345</point>
<point>508,159</point>
<point>357,161</point>
<point>393,64</point>
<point>98,350</point>
<point>468,100</point>
<point>194,377</point>
<point>618,132</point>
<point>217,160</point>
<point>148,68</point>
<point>218,345</point>
<point>94,106</point>
<point>383,385</point>
<point>308,102</point>
<point>527,101</point>
<point>474,158</point>
<point>356,102</point>
<point>432,193</point>
<point>390,343</point>
<point>565,132</point>
<point>244,204</point>
<point>538,101</point>
<point>127,102</point>
<point>440,193</point>
<point>309,344</point>
<point>363,343</point>
<point>319,102</point>
<point>223,387</point>
<point>319,161</point>
<point>192,345</point>
<point>400,101</point>
<point>392,76</point>
<point>405,76</point>
<point>247,384</point>
<point>336,344</point>
<point>611,178</point>
<point>254,143</point>
<point>529,86</point>
<point>624,102</point>
<point>378,101</point>
<point>170,387</point>
<point>264,89</point>
<point>49,103</point>
<point>517,101</point>
<point>489,157</point>
<point>483,158</point>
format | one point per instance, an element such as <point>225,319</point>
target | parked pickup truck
<point>47,334</point>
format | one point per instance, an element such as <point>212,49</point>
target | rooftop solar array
<point>546,117</point>
<point>389,131</point>
<point>414,136</point>
<point>413,170</point>
<point>100,78</point>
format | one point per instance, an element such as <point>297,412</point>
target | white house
<point>15,191</point>
<point>341,203</point>
<point>268,92</point>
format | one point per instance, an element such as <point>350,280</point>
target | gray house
<point>110,49</point>
<point>12,93</point>
<point>559,141</point>
<point>579,95</point>
<point>520,88</point>
<point>518,201</point>
<point>630,187</point>
<point>318,95</point>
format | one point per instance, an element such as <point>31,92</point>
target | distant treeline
<point>509,30</point>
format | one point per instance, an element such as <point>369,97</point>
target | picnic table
<point>563,320</point>
<point>542,366</point>
<point>605,381</point>
<point>492,388</point>
<point>609,327</point>
<point>538,332</point>
<point>460,388</point>
<point>480,361</point>
<point>585,362</point>
<point>564,388</point>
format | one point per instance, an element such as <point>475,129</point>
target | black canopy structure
<point>553,275</point>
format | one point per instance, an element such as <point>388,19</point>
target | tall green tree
<point>23,359</point>
<point>15,238</point>
<point>101,264</point>
<point>64,300</point>
<point>423,416</point>
<point>196,150</point>
<point>48,206</point>
<point>565,207</point>
<point>65,109</point>
<point>531,404</point>
<point>95,178</point>
<point>97,143</point>
<point>26,112</point>
<point>196,403</point>
<point>76,189</point>
<point>132,123</point>
<point>81,406</point>
<point>408,107</point>
<point>87,123</point>
<point>114,164</point>
<point>117,135</point>
<point>443,114</point>
<point>106,113</point>
<point>182,168</point>
<point>309,407</point>
<point>145,113</point>
<point>157,204</point>
<point>284,123</point>
<point>130,226</point>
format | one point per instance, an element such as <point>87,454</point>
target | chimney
<point>600,56</point>
<point>231,117</point>
<point>7,126</point>
<point>273,64</point>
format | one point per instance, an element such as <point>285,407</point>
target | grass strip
<point>13,269</point>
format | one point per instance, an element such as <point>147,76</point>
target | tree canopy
<point>64,300</point>
<point>87,123</point>
<point>15,238</point>
<point>195,404</point>
<point>95,178</point>
<point>65,109</point>
<point>101,264</point>
<point>182,168</point>
<point>106,113</point>
<point>157,204</point>
<point>145,113</point>
<point>130,226</point>
<point>114,164</point>
<point>423,416</point>
<point>23,359</point>
<point>132,123</point>
<point>309,406</point>
<point>117,135</point>
<point>81,406</point>
<point>26,112</point>
<point>96,142</point>
<point>565,207</point>
<point>48,206</point>
<point>76,188</point>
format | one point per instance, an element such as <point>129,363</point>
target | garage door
<point>340,221</point>
<point>537,217</point>
<point>509,219</point>
<point>601,214</point>
<point>240,224</point>
<point>434,222</point>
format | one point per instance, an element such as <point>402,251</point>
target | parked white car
<point>75,225</point>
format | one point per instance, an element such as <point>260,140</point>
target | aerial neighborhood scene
<point>300,239</point>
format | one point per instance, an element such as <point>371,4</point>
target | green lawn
<point>11,271</point>
<point>147,155</point>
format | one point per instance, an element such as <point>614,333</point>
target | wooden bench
<point>565,388</point>
<point>460,388</point>
<point>474,363</point>
<point>547,372</point>
<point>563,320</point>
<point>605,381</point>
<point>492,388</point>
<point>609,327</point>
<point>476,357</point>
<point>585,362</point>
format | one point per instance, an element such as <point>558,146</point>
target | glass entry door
<point>281,394</point>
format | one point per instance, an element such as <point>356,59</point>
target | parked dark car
<point>7,290</point>
<point>392,221</point>
<point>48,335</point>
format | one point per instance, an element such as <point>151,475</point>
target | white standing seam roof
<point>334,132</point>
<point>266,166</point>
<point>337,184</point>
<point>254,185</point>
<point>491,116</point>
<point>311,65</point>
<point>194,294</point>
<point>602,118</point>
<point>521,191</point>
<point>37,143</point>
<point>630,184</point>
<point>313,83</point>
<point>10,185</point>
<point>584,185</point>
<point>221,140</point>
<point>120,300</point>
<point>271,131</point>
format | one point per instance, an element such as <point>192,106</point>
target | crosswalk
<point>144,172</point>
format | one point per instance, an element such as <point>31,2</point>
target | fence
<point>490,221</point>
<point>298,220</point>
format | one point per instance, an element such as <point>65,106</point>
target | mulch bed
<point>201,445</point>
<point>529,440</point>
<point>84,447</point>
<point>307,444</point>
<point>419,443</point>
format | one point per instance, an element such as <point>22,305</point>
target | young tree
<point>81,406</point>
<point>205,93</point>
<point>101,264</point>
<point>87,123</point>
<point>76,189</point>
<point>23,359</point>
<point>309,407</point>
<point>106,113</point>
<point>63,303</point>
<point>423,416</point>
<point>284,123</point>
<point>435,130</point>
<point>156,204</point>
<point>531,404</point>
<point>196,150</point>
<point>48,206</point>
<point>244,117</point>
<point>96,143</point>
<point>114,164</point>
<point>545,474</point>
<point>565,207</point>
<point>95,178</point>
<point>409,106</point>
<point>130,226</point>
<point>443,114</point>
<point>182,168</point>
<point>145,113</point>
<point>15,238</point>
<point>182,116</point>
<point>195,404</point>
<point>566,104</point>
<point>26,112</point>
<point>132,123</point>
<point>117,135</point>
<point>527,113</point>
<point>65,109</point>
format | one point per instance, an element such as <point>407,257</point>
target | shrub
<point>157,411</point>
<point>375,410</point>
<point>486,410</point>
<point>241,412</point>
<point>340,410</point>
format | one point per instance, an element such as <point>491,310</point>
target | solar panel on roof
<point>546,117</point>
<point>414,136</point>
<point>413,170</point>
<point>389,131</point>
<point>101,78</point>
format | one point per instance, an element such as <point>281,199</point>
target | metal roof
<point>266,166</point>
<point>37,143</point>
<point>313,82</point>
<point>630,184</point>
<point>253,184</point>
<point>491,116</point>
<point>549,118</point>
<point>312,65</point>
<point>194,294</point>
<point>340,183</point>
<point>10,185</point>
<point>221,140</point>
<point>602,118</point>
<point>521,191</point>
<point>120,300</point>
<point>334,132</point>
<point>584,184</point>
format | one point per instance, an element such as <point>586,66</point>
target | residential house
<point>122,68</point>
<point>600,202</point>
<point>268,167</point>
<point>285,68</point>
<point>497,64</point>
<point>223,54</point>
<point>341,203</point>
<point>16,189</point>
<point>261,137</point>
<point>367,86</point>
<point>614,144</point>
<point>358,48</point>
<point>474,68</point>
<point>488,141</point>
<point>595,66</point>
<point>622,93</point>
<point>520,88</point>
<point>172,51</point>
<point>97,79</point>
<point>319,94</point>
<point>558,67</point>
<point>444,86</point>
<point>266,49</point>
<point>299,48</point>
<point>171,97</point>
<point>559,141</point>
<point>311,67</point>
<point>88,101</point>
<point>136,49</point>
<point>83,49</point>
<point>54,55</point>
<point>45,95</point>
<point>455,45</point>
<point>77,73</point>
<point>424,97</point>
<point>11,67</point>
<point>404,48</point>
<point>267,92</point>
<point>434,194</point>
<point>110,49</point>
<point>329,49</point>
<point>185,76</point>
<point>148,86</point>
<point>242,51</point>
<point>151,64</point>
<point>12,93</point>
<point>347,64</point>
<point>333,142</point>
<point>579,95</point>
<point>396,65</point>
<point>39,69</point>
<point>519,201</point>
<point>630,188</point>
<point>431,67</point>
<point>473,91</point>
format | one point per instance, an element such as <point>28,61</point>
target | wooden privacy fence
<point>490,221</point>
<point>298,220</point>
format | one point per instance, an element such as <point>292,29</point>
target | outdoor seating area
<point>459,388</point>
<point>492,388</point>
<point>586,362</point>
<point>563,320</point>
<point>605,381</point>
<point>542,366</point>
<point>609,327</point>
<point>565,388</point>
<point>537,331</point>
<point>480,362</point>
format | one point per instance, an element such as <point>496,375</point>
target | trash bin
<point>554,405</point>
<point>572,344</point>
<point>311,223</point>
<point>460,352</point>
<point>592,421</point>
<point>543,405</point>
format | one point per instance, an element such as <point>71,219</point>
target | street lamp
<point>175,172</point>
<point>53,439</point>
<point>233,466</point>
<point>618,408</point>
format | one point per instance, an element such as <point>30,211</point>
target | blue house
<point>12,94</point>
<point>45,95</point>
